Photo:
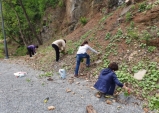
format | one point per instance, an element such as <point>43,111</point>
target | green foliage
<point>132,33</point>
<point>132,25</point>
<point>16,21</point>
<point>119,34</point>
<point>21,51</point>
<point>146,35</point>
<point>151,48</point>
<point>28,80</point>
<point>145,87</point>
<point>1,54</point>
<point>128,40</point>
<point>61,3</point>
<point>142,45</point>
<point>85,35</point>
<point>154,103</point>
<point>107,36</point>
<point>103,19</point>
<point>46,74</point>
<point>83,20</point>
<point>1,50</point>
<point>128,16</point>
<point>148,7</point>
<point>142,7</point>
<point>70,51</point>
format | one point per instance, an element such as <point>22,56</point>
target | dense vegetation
<point>22,19</point>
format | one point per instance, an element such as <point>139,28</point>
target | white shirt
<point>83,49</point>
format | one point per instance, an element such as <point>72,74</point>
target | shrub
<point>21,51</point>
<point>107,36</point>
<point>142,7</point>
<point>132,34</point>
<point>132,25</point>
<point>70,51</point>
<point>151,48</point>
<point>128,16</point>
<point>146,36</point>
<point>1,54</point>
<point>83,20</point>
<point>1,51</point>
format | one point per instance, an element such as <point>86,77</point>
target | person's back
<point>59,46</point>
<point>105,81</point>
<point>31,46</point>
<point>31,49</point>
<point>82,53</point>
<point>60,43</point>
<point>108,79</point>
<point>106,75</point>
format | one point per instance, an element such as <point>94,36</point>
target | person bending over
<point>82,53</point>
<point>59,46</point>
<point>107,80</point>
<point>31,49</point>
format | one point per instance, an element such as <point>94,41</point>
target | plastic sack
<point>62,73</point>
<point>20,74</point>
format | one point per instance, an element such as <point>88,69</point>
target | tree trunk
<point>20,30</point>
<point>30,25</point>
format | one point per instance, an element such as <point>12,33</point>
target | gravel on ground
<point>26,94</point>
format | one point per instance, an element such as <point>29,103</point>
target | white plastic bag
<point>20,74</point>
<point>62,73</point>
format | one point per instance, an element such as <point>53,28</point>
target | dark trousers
<point>57,51</point>
<point>31,52</point>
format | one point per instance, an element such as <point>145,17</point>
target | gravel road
<point>27,94</point>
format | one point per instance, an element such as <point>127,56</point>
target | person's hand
<point>98,53</point>
<point>127,89</point>
<point>124,86</point>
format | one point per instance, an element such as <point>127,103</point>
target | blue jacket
<point>106,81</point>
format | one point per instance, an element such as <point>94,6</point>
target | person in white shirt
<point>82,53</point>
<point>59,46</point>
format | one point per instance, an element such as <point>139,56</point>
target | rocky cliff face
<point>78,8</point>
<point>65,19</point>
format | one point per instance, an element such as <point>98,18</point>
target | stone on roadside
<point>113,100</point>
<point>90,109</point>
<point>140,74</point>
<point>92,88</point>
<point>81,74</point>
<point>68,90</point>
<point>98,96</point>
<point>118,107</point>
<point>71,81</point>
<point>98,61</point>
<point>77,82</point>
<point>108,102</point>
<point>146,110</point>
<point>51,107</point>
